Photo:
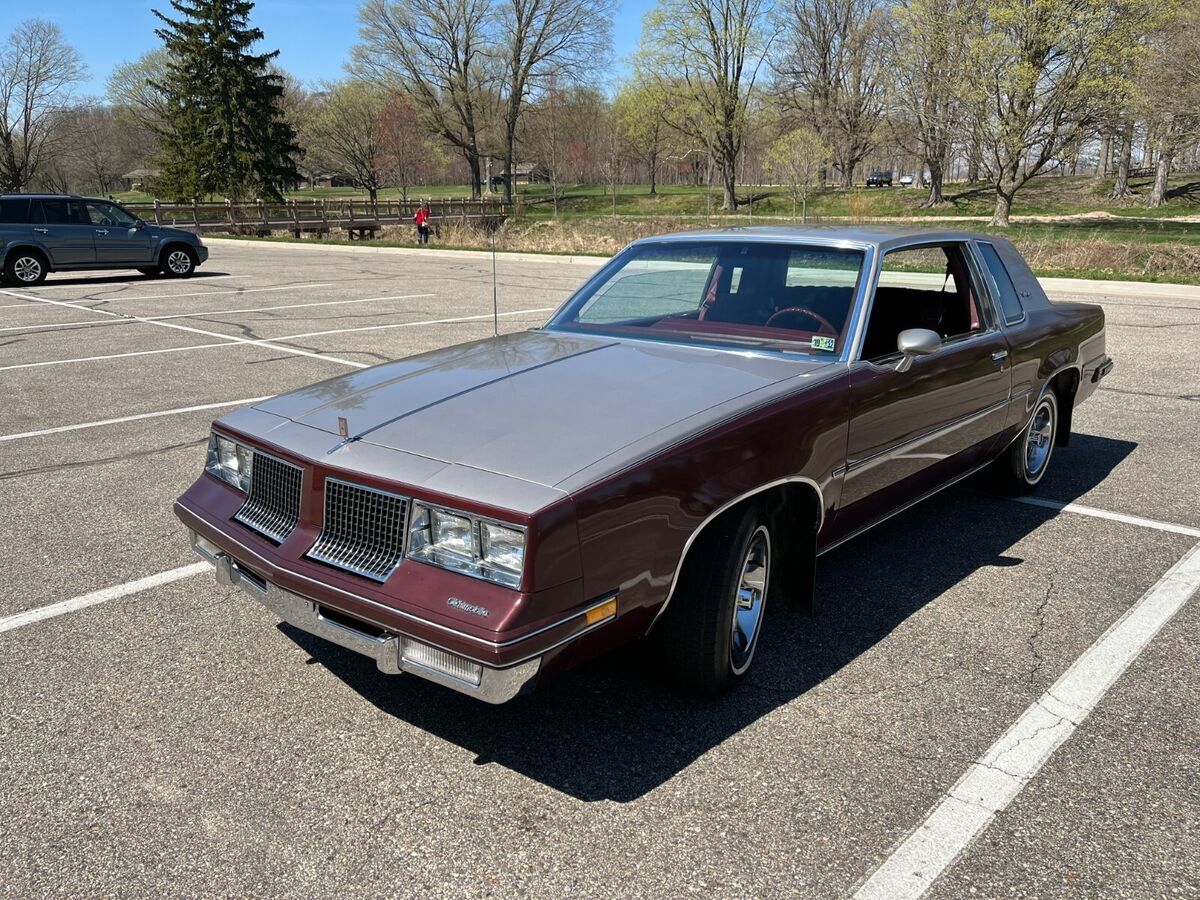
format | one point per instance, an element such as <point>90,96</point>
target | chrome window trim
<point>687,545</point>
<point>867,248</point>
<point>916,243</point>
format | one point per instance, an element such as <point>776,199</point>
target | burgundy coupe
<point>701,420</point>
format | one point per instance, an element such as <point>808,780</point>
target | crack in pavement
<point>1039,615</point>
<point>79,464</point>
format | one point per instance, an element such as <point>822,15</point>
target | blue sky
<point>313,36</point>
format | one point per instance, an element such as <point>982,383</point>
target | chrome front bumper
<point>495,685</point>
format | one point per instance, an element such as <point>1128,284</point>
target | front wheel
<point>711,628</point>
<point>1021,468</point>
<point>178,261</point>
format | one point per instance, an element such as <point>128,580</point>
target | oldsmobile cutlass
<point>694,426</point>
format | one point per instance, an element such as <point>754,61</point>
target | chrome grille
<point>273,506</point>
<point>363,530</point>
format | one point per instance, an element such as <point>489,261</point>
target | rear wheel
<point>711,628</point>
<point>178,261</point>
<point>25,268</point>
<point>1022,467</point>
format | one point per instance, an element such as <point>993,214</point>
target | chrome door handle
<point>101,231</point>
<point>42,230</point>
<point>999,356</point>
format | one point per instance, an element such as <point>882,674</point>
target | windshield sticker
<point>824,343</point>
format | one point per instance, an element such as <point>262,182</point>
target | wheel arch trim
<point>724,508</point>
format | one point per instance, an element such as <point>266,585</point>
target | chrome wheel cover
<point>750,600</point>
<point>179,262</point>
<point>1039,440</point>
<point>27,269</point>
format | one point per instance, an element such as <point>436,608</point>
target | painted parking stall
<point>152,717</point>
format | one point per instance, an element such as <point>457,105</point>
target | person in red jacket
<point>422,220</point>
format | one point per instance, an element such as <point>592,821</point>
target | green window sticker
<point>824,343</point>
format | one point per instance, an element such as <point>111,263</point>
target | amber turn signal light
<point>605,610</point>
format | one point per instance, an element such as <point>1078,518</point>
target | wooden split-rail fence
<point>360,218</point>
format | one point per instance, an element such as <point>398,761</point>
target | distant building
<point>139,179</point>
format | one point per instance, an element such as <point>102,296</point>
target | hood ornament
<point>343,427</point>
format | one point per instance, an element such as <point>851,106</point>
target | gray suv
<point>42,233</point>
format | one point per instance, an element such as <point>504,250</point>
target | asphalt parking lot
<point>163,736</point>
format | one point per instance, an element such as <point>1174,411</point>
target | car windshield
<point>784,296</point>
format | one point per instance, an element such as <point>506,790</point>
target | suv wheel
<point>178,261</point>
<point>25,268</point>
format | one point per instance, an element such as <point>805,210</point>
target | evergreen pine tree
<point>225,132</point>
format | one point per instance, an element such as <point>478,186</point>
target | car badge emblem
<point>467,607</point>
<point>343,427</point>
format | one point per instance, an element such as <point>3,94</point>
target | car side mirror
<point>139,225</point>
<point>914,342</point>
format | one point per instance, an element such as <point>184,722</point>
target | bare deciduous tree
<point>928,46</point>
<point>434,50</point>
<point>833,71</point>
<point>541,41</point>
<point>405,151</point>
<point>1168,93</point>
<point>707,56</point>
<point>345,132</point>
<point>38,71</point>
<point>797,159</point>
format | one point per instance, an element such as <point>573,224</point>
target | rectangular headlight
<point>230,461</point>
<point>467,544</point>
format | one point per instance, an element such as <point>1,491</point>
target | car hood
<point>538,406</point>
<point>165,231</point>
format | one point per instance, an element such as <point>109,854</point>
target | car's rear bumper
<point>393,653</point>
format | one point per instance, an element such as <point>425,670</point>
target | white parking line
<point>245,401</point>
<point>215,312</point>
<point>1112,516</point>
<point>224,337</point>
<point>29,616</point>
<point>270,343</point>
<point>1000,774</point>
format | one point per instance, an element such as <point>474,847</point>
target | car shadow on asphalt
<point>614,729</point>
<point>126,278</point>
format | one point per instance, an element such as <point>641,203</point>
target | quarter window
<point>1010,303</point>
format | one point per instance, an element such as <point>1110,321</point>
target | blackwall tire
<point>710,630</point>
<point>179,261</point>
<point>1026,461</point>
<point>25,268</point>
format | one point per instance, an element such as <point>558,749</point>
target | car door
<point>913,431</point>
<point>63,227</point>
<point>120,237</point>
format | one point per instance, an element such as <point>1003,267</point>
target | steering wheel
<point>804,311</point>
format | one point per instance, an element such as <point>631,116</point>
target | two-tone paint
<point>616,453</point>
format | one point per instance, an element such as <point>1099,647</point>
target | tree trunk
<point>1120,188</point>
<point>510,140</point>
<point>729,184</point>
<point>476,179</point>
<point>1104,163</point>
<point>935,183</point>
<point>1159,196</point>
<point>1004,200</point>
<point>973,158</point>
<point>654,173</point>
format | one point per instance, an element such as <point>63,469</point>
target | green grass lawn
<point>1048,195</point>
